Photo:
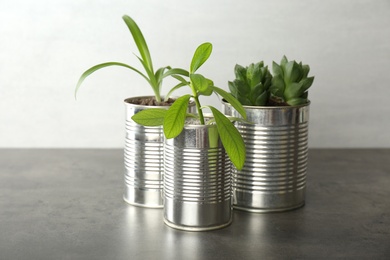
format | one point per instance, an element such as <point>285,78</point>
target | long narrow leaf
<point>229,98</point>
<point>176,71</point>
<point>175,88</point>
<point>150,73</point>
<point>175,117</point>
<point>139,41</point>
<point>181,79</point>
<point>103,65</point>
<point>230,138</point>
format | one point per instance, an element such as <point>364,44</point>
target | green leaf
<point>276,69</point>
<point>306,69</point>
<point>293,90</point>
<point>176,71</point>
<point>202,53</point>
<point>278,86</point>
<point>199,82</point>
<point>256,75</point>
<point>233,89</point>
<point>307,82</point>
<point>181,79</point>
<point>297,101</point>
<point>175,88</point>
<point>240,72</point>
<point>296,72</point>
<point>230,138</point>
<point>150,117</point>
<point>139,41</point>
<point>229,98</point>
<point>103,65</point>
<point>152,78</point>
<point>284,61</point>
<point>160,73</point>
<point>175,117</point>
<point>257,90</point>
<point>262,99</point>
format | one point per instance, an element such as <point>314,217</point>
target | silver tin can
<point>197,181</point>
<point>274,175</point>
<point>143,158</point>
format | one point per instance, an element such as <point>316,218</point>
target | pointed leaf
<point>240,72</point>
<point>176,71</point>
<point>150,117</point>
<point>306,83</point>
<point>229,98</point>
<point>202,53</point>
<point>175,88</point>
<point>139,41</point>
<point>293,90</point>
<point>103,65</point>
<point>175,117</point>
<point>278,86</point>
<point>230,138</point>
<point>276,69</point>
<point>306,69</point>
<point>262,99</point>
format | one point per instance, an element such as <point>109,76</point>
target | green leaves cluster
<point>154,78</point>
<point>173,119</point>
<point>256,86</point>
<point>291,82</point>
<point>251,84</point>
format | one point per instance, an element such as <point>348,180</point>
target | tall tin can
<point>143,159</point>
<point>274,175</point>
<point>197,181</point>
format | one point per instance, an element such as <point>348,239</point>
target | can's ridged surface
<point>274,175</point>
<point>197,181</point>
<point>143,156</point>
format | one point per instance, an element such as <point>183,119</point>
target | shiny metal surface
<point>197,181</point>
<point>143,158</point>
<point>274,175</point>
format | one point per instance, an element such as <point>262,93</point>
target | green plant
<point>154,78</point>
<point>290,83</point>
<point>173,119</point>
<point>251,84</point>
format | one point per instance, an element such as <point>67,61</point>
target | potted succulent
<point>274,175</point>
<point>197,179</point>
<point>143,151</point>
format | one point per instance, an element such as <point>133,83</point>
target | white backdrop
<point>45,45</point>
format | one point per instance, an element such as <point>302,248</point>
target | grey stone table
<point>67,204</point>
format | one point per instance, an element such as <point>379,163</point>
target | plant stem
<point>157,95</point>
<point>198,107</point>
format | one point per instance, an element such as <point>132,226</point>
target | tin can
<point>274,175</point>
<point>197,181</point>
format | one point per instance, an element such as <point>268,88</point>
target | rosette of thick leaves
<point>252,83</point>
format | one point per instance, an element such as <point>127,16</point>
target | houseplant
<point>197,180</point>
<point>143,145</point>
<point>274,175</point>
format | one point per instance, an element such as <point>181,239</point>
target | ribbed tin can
<point>197,181</point>
<point>274,175</point>
<point>143,158</point>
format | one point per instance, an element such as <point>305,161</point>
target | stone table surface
<point>67,204</point>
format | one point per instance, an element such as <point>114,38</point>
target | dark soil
<point>276,102</point>
<point>150,101</point>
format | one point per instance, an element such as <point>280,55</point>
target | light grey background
<point>45,45</point>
